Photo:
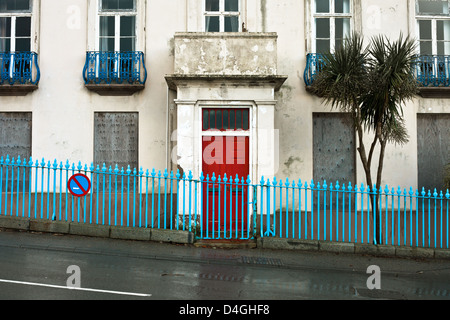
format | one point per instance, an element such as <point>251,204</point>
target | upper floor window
<point>222,15</point>
<point>433,24</point>
<point>117,25</point>
<point>15,25</point>
<point>332,23</point>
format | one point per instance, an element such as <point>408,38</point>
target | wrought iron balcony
<point>313,63</point>
<point>115,73</point>
<point>432,73</point>
<point>19,72</point>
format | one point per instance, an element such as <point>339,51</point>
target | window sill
<point>434,92</point>
<point>115,89</point>
<point>17,89</point>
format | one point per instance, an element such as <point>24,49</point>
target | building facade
<point>211,86</point>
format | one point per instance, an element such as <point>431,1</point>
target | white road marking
<point>75,288</point>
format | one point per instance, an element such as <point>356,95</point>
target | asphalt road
<point>36,266</point>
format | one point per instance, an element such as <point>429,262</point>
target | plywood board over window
<point>433,149</point>
<point>15,140</point>
<point>116,140</point>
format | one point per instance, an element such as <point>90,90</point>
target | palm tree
<point>372,84</point>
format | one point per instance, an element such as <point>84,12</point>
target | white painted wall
<point>63,109</point>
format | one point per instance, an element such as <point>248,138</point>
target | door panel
<point>225,204</point>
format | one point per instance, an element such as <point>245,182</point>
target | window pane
<point>219,119</point>
<point>245,120</point>
<point>126,4</point>
<point>212,24</point>
<point>426,48</point>
<point>342,28</point>
<point>107,26</point>
<point>127,44</point>
<point>5,45</point>
<point>225,119</point>
<point>232,24</point>
<point>322,46</point>
<point>117,5</point>
<point>205,119</point>
<point>106,44</point>
<point>232,5</point>
<point>443,30</point>
<point>443,48</point>
<point>342,6</point>
<point>232,120</point>
<point>238,119</point>
<point>322,6</point>
<point>127,26</point>
<point>23,44</point>
<point>212,5</point>
<point>5,27</point>
<point>323,28</point>
<point>14,5</point>
<point>432,7</point>
<point>23,26</point>
<point>110,4</point>
<point>212,119</point>
<point>425,29</point>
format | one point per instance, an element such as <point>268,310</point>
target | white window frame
<point>332,16</point>
<point>32,13</point>
<point>222,14</point>
<point>94,14</point>
<point>434,19</point>
<point>116,14</point>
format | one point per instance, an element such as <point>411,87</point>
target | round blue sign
<point>79,185</point>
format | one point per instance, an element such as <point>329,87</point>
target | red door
<point>225,203</point>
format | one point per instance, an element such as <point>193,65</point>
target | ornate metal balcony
<point>19,72</point>
<point>313,63</point>
<point>115,73</point>
<point>432,73</point>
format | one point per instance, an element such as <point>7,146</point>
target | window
<point>117,25</point>
<point>222,16</point>
<point>15,25</point>
<point>332,22</point>
<point>433,24</point>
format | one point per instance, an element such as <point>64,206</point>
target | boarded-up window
<point>433,149</point>
<point>334,148</point>
<point>15,140</point>
<point>116,140</point>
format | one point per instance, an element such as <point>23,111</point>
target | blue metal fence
<point>226,207</point>
<point>114,67</point>
<point>19,68</point>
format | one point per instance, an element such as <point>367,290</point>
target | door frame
<point>251,133</point>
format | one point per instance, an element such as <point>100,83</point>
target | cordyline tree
<point>372,84</point>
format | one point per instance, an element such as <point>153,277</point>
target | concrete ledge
<point>442,253</point>
<point>49,226</point>
<point>176,236</point>
<point>337,247</point>
<point>289,244</point>
<point>17,223</point>
<point>408,252</point>
<point>93,230</point>
<point>130,233</point>
<point>375,250</point>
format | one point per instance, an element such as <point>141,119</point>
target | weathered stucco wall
<point>226,54</point>
<point>63,109</point>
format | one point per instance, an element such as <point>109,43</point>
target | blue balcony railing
<point>114,67</point>
<point>430,71</point>
<point>313,63</point>
<point>19,68</point>
<point>433,71</point>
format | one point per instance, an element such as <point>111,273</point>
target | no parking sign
<point>79,185</point>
